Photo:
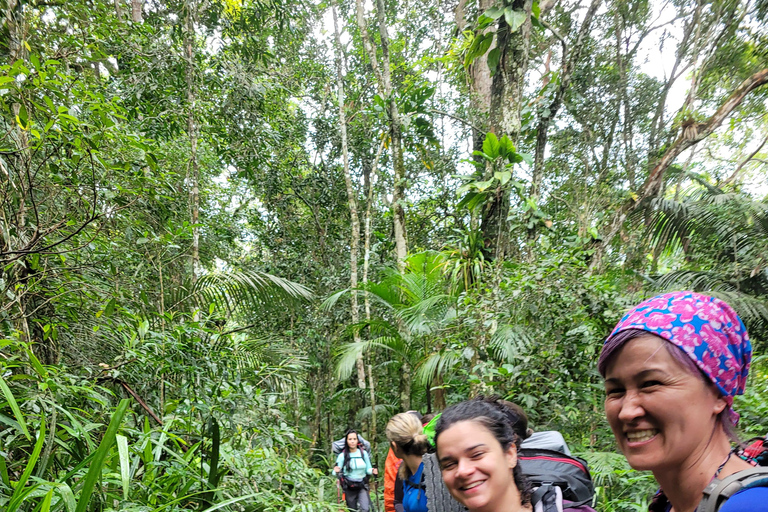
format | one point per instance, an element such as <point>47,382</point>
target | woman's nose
<point>464,468</point>
<point>631,407</point>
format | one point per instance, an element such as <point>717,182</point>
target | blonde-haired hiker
<point>408,442</point>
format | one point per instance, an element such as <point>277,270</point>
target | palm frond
<point>508,342</point>
<point>427,314</point>
<point>605,466</point>
<point>436,364</point>
<point>255,290</point>
<point>382,410</point>
<point>330,302</point>
<point>346,358</point>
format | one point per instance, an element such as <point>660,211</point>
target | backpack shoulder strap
<point>718,491</point>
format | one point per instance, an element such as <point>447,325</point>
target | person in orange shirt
<point>392,464</point>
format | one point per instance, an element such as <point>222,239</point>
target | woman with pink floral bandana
<point>672,366</point>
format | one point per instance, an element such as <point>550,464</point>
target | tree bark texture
<point>136,11</point>
<point>506,106</point>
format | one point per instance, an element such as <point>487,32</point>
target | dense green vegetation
<point>232,229</point>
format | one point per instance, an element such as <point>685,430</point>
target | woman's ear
<point>395,450</point>
<point>719,403</point>
<point>511,455</point>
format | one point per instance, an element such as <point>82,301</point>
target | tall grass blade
<point>46,506</point>
<point>94,471</point>
<point>125,470</point>
<point>19,493</point>
<point>15,408</point>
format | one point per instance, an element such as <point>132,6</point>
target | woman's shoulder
<point>754,499</point>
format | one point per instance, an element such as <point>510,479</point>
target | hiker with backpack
<point>353,466</point>
<point>408,442</point>
<point>559,481</point>
<point>477,448</point>
<point>672,366</point>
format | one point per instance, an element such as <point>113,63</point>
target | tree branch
<point>652,184</point>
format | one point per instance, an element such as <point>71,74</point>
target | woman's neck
<point>413,462</point>
<point>684,484</point>
<point>353,450</point>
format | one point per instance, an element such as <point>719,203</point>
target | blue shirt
<point>748,500</point>
<point>359,465</point>
<point>414,495</point>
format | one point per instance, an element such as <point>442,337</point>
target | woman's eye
<point>477,455</point>
<point>651,383</point>
<point>612,392</point>
<point>447,465</point>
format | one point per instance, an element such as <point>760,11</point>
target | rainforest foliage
<point>232,229</point>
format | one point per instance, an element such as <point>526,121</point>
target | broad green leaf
<point>23,117</point>
<point>506,147</point>
<point>503,176</point>
<point>482,185</point>
<point>494,12</point>
<point>493,60</point>
<point>67,496</point>
<point>514,18</point>
<point>491,145</point>
<point>14,407</point>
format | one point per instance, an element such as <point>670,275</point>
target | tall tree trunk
<point>373,407</point>
<point>351,198</point>
<point>506,106</point>
<point>192,133</point>
<point>136,10</point>
<point>384,82</point>
<point>405,386</point>
<point>16,27</point>
<point>571,60</point>
<point>480,79</point>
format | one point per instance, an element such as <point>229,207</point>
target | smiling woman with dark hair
<point>477,450</point>
<point>672,366</point>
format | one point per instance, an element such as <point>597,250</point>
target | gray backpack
<point>718,491</point>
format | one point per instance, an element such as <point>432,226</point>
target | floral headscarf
<point>705,328</point>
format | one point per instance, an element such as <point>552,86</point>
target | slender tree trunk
<point>571,60</point>
<point>192,133</point>
<point>373,406</point>
<point>368,220</point>
<point>351,198</point>
<point>384,82</point>
<point>405,386</point>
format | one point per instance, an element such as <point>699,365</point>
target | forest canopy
<point>230,229</point>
